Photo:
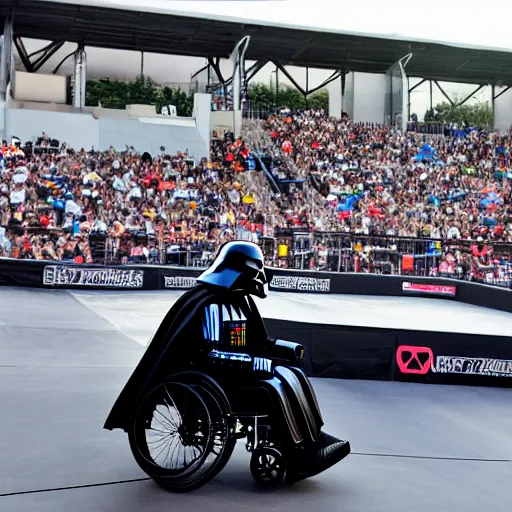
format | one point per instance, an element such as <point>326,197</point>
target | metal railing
<point>105,249</point>
<point>484,262</point>
<point>442,129</point>
<point>489,262</point>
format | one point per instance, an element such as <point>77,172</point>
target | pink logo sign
<point>416,360</point>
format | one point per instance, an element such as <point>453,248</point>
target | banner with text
<point>65,275</point>
<point>421,361</point>
<point>300,283</point>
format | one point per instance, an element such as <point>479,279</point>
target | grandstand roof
<point>127,26</point>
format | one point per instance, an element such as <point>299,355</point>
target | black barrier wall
<point>331,350</point>
<point>44,274</point>
<point>336,351</point>
<point>151,277</point>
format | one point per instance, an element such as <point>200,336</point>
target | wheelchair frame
<point>268,455</point>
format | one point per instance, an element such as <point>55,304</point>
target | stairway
<point>259,140</point>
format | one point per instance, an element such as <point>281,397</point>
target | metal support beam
<point>56,70</point>
<point>46,53</point>
<point>290,77</point>
<point>343,87</point>
<point>22,52</point>
<point>408,101</point>
<point>307,92</point>
<point>251,72</point>
<point>469,96</point>
<point>431,95</point>
<point>215,65</point>
<point>277,85</point>
<point>417,85</point>
<point>333,77</point>
<point>405,86</point>
<point>239,79</point>
<point>444,93</point>
<point>204,68</point>
<point>79,78</point>
<point>502,92</point>
<point>307,87</point>
<point>493,103</point>
<point>6,58</point>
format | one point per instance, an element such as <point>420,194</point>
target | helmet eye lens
<point>252,264</point>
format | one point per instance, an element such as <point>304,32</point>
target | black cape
<point>168,349</point>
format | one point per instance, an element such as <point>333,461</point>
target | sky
<point>448,21</point>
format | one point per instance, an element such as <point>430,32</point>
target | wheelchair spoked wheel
<point>179,436</point>
<point>194,377</point>
<point>267,466</point>
<point>219,407</point>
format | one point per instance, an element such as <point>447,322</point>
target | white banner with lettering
<point>56,275</point>
<point>181,282</point>
<point>310,284</point>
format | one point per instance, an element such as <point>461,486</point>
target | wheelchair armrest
<point>288,350</point>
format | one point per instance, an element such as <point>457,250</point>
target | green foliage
<point>184,102</point>
<point>319,99</point>
<point>143,90</point>
<point>117,94</point>
<point>261,94</point>
<point>286,97</point>
<point>477,114</point>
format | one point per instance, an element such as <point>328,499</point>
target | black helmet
<point>238,266</point>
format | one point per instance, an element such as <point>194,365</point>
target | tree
<point>319,99</point>
<point>184,102</point>
<point>290,97</point>
<point>117,94</point>
<point>286,97</point>
<point>261,94</point>
<point>478,114</point>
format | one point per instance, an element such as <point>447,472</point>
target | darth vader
<point>216,328</point>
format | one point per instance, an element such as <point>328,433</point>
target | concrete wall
<point>369,97</point>
<point>202,116</point>
<point>503,111</point>
<point>365,94</point>
<point>150,136</point>
<point>102,128</point>
<point>348,101</point>
<point>334,89</point>
<point>77,130</point>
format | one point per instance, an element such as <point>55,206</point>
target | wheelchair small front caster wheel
<point>267,466</point>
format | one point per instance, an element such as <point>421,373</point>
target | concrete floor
<point>62,364</point>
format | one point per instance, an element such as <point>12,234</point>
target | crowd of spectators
<point>373,180</point>
<point>380,181</point>
<point>333,175</point>
<point>61,204</point>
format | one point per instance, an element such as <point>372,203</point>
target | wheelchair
<point>185,429</point>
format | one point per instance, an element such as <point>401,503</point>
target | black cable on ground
<point>427,457</point>
<point>361,454</point>
<point>71,487</point>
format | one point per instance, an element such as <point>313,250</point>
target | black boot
<point>311,460</point>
